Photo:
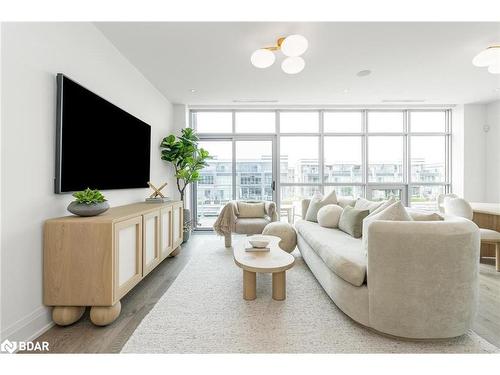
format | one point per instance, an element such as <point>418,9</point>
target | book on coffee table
<point>257,249</point>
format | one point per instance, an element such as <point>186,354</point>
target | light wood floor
<point>84,337</point>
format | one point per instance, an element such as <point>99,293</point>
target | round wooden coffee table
<point>275,261</point>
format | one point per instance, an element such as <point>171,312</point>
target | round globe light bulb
<point>262,58</point>
<point>293,65</point>
<point>487,57</point>
<point>294,45</point>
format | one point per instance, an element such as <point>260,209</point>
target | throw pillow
<point>249,210</point>
<point>346,201</point>
<point>383,206</point>
<point>329,216</point>
<point>317,202</point>
<point>351,221</point>
<point>365,204</point>
<point>395,212</point>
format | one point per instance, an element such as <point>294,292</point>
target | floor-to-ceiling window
<point>215,188</point>
<point>288,155</point>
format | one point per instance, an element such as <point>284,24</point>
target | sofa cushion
<point>365,204</point>
<point>317,202</point>
<point>341,253</point>
<point>246,209</point>
<point>329,216</point>
<point>418,215</point>
<point>351,221</point>
<point>250,226</point>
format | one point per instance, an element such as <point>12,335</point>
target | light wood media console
<point>95,261</point>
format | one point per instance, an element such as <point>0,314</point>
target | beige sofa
<point>419,279</point>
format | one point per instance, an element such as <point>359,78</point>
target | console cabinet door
<point>150,241</point>
<point>166,231</point>
<point>177,225</point>
<point>128,255</point>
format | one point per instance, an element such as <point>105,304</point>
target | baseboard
<point>29,327</point>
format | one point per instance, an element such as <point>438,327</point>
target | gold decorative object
<point>157,191</point>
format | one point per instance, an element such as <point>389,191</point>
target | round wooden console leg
<point>249,285</point>
<point>175,252</point>
<point>104,315</point>
<point>279,286</point>
<point>66,315</point>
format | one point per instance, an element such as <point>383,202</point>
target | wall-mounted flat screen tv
<point>98,145</point>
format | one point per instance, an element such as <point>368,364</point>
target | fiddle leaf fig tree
<point>186,156</point>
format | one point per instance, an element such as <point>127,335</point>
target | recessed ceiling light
<point>363,73</point>
<point>193,90</point>
<point>497,89</point>
<point>346,91</point>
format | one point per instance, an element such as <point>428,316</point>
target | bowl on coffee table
<point>258,242</point>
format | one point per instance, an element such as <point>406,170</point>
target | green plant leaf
<point>89,196</point>
<point>186,155</point>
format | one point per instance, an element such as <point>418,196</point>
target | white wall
<point>180,121</point>
<point>457,149</point>
<point>474,152</point>
<point>180,117</point>
<point>32,53</point>
<point>492,193</point>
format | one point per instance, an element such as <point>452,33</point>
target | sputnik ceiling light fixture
<point>489,57</point>
<point>292,46</point>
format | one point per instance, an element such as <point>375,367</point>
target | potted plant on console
<point>88,203</point>
<point>188,160</point>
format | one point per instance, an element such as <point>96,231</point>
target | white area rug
<point>203,312</point>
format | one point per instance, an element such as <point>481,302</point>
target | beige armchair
<point>244,217</point>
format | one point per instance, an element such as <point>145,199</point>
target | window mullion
<point>321,155</point>
<point>365,152</point>
<point>406,158</point>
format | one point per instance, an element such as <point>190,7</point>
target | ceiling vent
<point>364,73</point>
<point>255,101</point>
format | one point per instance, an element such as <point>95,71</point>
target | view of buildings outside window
<point>343,163</point>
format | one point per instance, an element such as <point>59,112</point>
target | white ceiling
<point>409,61</point>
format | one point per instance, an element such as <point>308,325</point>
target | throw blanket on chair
<point>271,211</point>
<point>224,224</point>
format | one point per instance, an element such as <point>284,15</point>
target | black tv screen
<point>98,145</point>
